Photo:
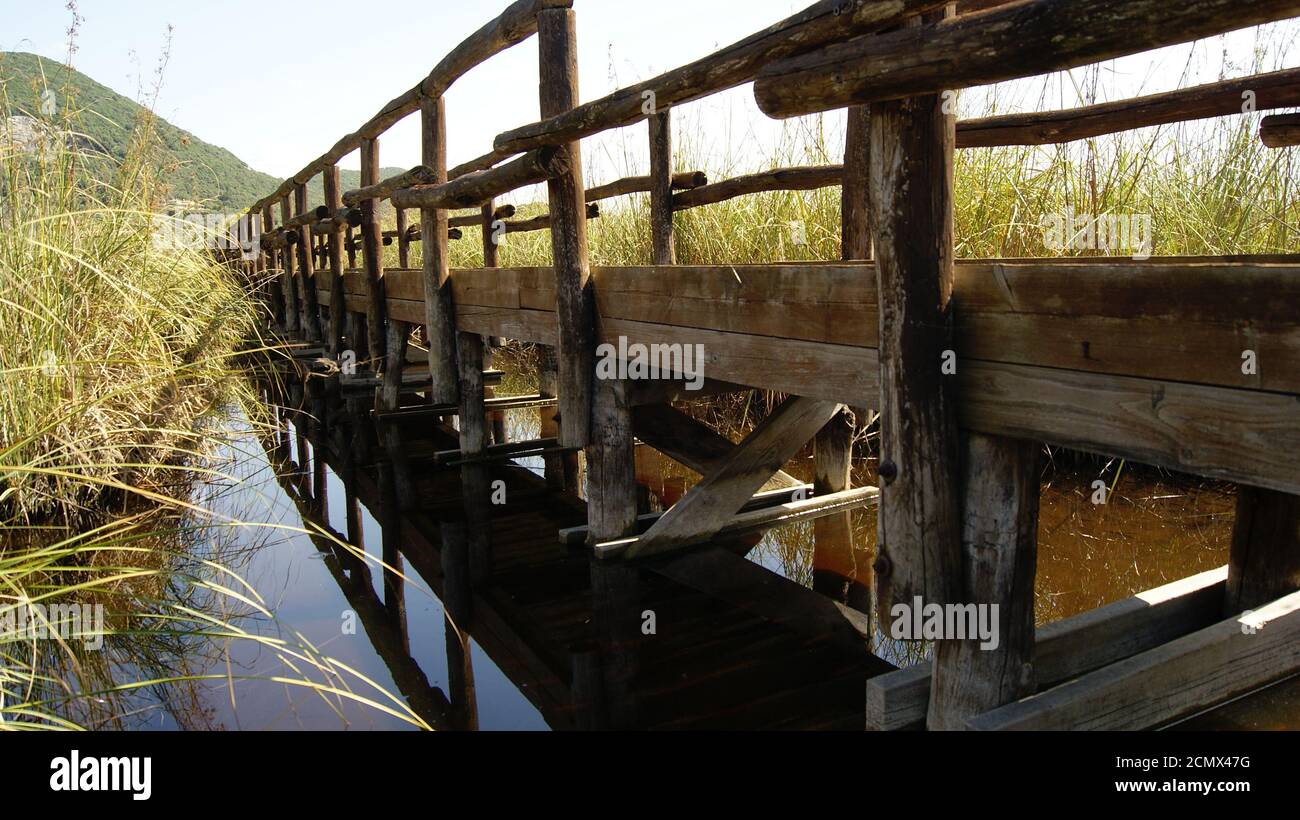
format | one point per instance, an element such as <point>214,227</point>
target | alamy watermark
<point>653,361</point>
<point>200,231</point>
<point>66,622</point>
<point>919,621</point>
<point>1113,233</point>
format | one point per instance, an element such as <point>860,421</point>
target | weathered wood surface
<point>516,24</point>
<point>683,181</point>
<point>999,541</point>
<point>1070,647</point>
<point>376,312</point>
<point>330,181</point>
<point>821,23</point>
<point>1281,131</point>
<point>705,509</point>
<point>472,190</point>
<point>419,175</point>
<point>691,442</point>
<point>781,179</point>
<point>435,289</point>
<point>759,519</point>
<point>311,317</point>
<point>1264,563</point>
<point>1172,681</point>
<point>918,544</point>
<point>1278,89</point>
<point>574,309</point>
<point>1018,40</point>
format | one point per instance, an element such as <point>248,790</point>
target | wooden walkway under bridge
<point>1188,363</point>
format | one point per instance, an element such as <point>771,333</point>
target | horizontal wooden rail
<point>779,179</point>
<point>1281,131</point>
<point>516,24</point>
<point>474,189</point>
<point>419,175</point>
<point>824,22</point>
<point>1018,40</point>
<point>1279,89</point>
<point>1136,359</point>
<point>684,181</point>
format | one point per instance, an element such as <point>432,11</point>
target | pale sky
<point>279,83</point>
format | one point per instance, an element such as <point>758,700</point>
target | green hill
<point>196,171</point>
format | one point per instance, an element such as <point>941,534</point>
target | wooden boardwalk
<point>1188,363</point>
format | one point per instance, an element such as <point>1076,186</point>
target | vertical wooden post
<point>338,298</point>
<point>999,556</point>
<point>919,535</point>
<point>272,263</point>
<point>291,309</point>
<point>491,260</point>
<point>307,270</point>
<point>1264,563</point>
<point>575,311</point>
<point>662,251</point>
<point>372,245</point>
<point>403,244</point>
<point>352,248</point>
<point>440,317</point>
<point>596,416</point>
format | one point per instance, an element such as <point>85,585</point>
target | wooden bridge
<point>972,365</point>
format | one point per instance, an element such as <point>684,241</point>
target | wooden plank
<point>761,518</point>
<point>709,504</point>
<point>691,442</point>
<point>1172,681</point>
<point>1281,131</point>
<point>1018,40</point>
<point>577,536</point>
<point>1070,647</point>
<point>307,272</point>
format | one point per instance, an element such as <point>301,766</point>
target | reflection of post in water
<point>839,571</point>
<point>562,469</point>
<point>603,680</point>
<point>457,602</point>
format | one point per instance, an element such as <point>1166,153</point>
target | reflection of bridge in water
<point>734,644</point>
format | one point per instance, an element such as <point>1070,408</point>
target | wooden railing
<point>970,364</point>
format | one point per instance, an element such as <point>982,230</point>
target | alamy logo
<point>1113,233</point>
<point>75,773</point>
<point>654,361</point>
<point>198,231</point>
<point>66,622</point>
<point>919,621</point>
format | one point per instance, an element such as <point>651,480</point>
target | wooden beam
<point>755,520</point>
<point>436,290</point>
<point>1172,681</point>
<point>682,181</point>
<point>662,251</point>
<point>419,175</point>
<point>578,536</point>
<point>1281,131</point>
<point>1069,647</point>
<point>307,271</point>
<point>781,179</point>
<point>575,359</point>
<point>292,310</point>
<point>376,313</point>
<point>1278,89</point>
<point>690,442</point>
<point>1265,558</point>
<point>919,536</point>
<point>1017,40</point>
<point>999,552</point>
<point>473,190</point>
<point>704,510</point>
